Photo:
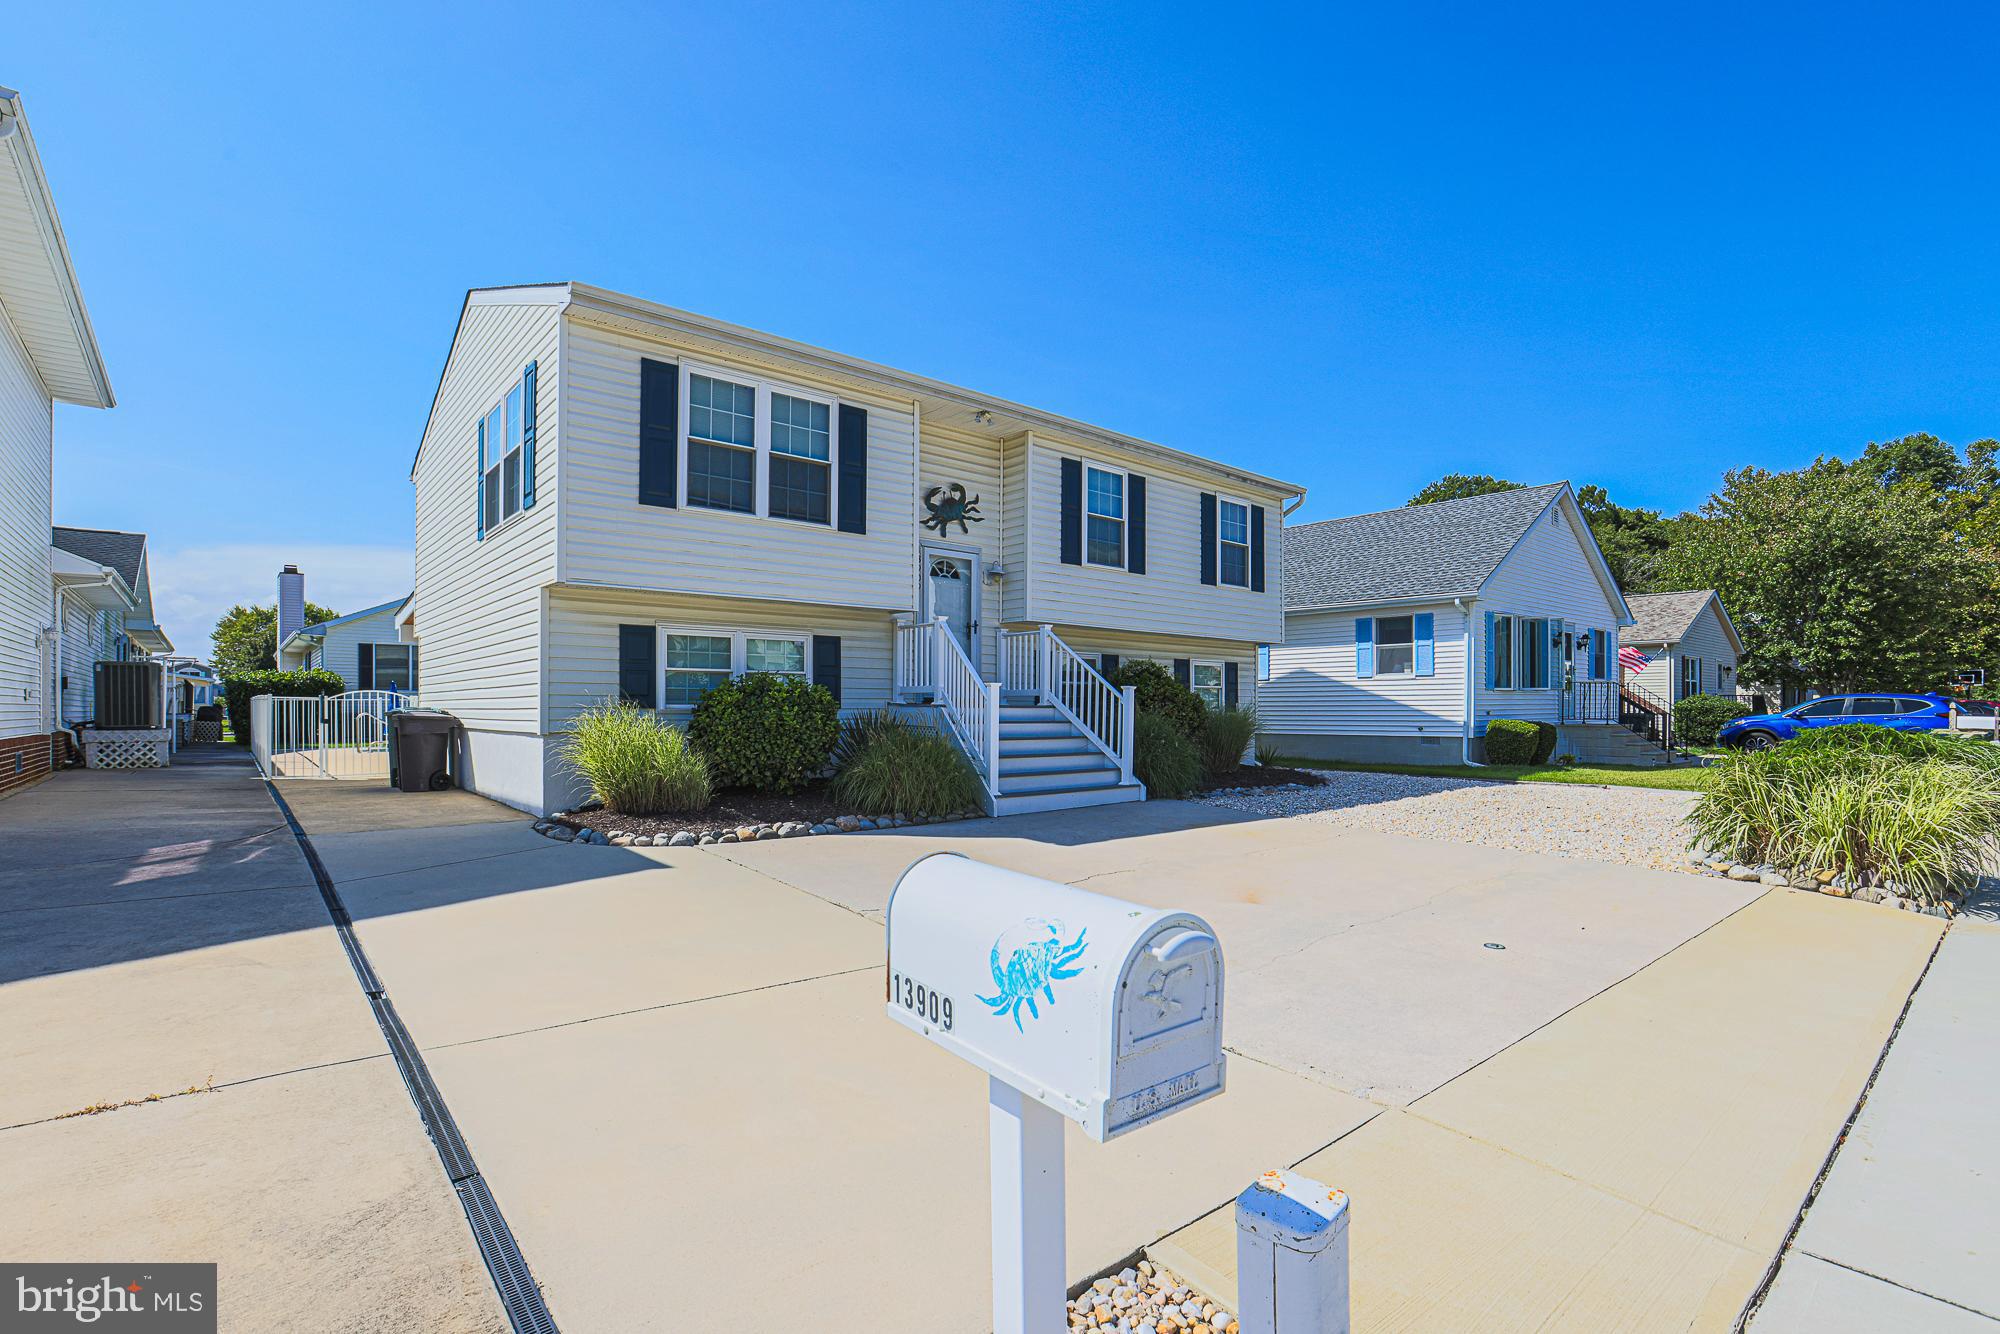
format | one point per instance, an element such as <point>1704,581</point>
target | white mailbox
<point>1106,1011</point>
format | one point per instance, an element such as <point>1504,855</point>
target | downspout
<point>1465,727</point>
<point>56,666</point>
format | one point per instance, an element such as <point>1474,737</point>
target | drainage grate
<point>519,1293</point>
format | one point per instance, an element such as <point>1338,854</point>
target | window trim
<point>762,386</point>
<point>738,652</point>
<point>1123,518</point>
<point>1221,680</point>
<point>1249,519</point>
<point>1411,670</point>
<point>410,661</point>
<point>1685,661</point>
<point>1521,639</point>
<point>493,477</point>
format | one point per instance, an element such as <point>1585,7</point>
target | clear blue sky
<point>1354,248</point>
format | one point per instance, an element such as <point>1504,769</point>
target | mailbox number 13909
<point>920,1000</point>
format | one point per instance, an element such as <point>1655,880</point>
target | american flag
<point>1632,660</point>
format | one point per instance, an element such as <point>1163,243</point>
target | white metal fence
<point>331,736</point>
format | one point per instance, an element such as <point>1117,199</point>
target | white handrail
<point>1101,711</point>
<point>1020,660</point>
<point>929,657</point>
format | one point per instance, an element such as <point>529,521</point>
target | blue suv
<point>1760,731</point>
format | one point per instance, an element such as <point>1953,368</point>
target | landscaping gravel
<point>1630,825</point>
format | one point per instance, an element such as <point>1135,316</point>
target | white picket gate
<point>330,736</point>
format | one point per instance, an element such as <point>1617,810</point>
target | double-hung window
<point>1690,677</point>
<point>1395,645</point>
<point>1206,680</point>
<point>1520,652</point>
<point>395,667</point>
<point>1232,536</point>
<point>801,459</point>
<point>722,444</point>
<point>1104,517</point>
<point>1503,652</point>
<point>1600,655</point>
<point>503,459</point>
<point>695,661</point>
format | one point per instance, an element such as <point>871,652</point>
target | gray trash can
<point>420,746</point>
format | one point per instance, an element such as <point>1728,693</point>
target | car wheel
<point>1758,740</point>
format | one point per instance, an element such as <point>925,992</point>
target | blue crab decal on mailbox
<point>1029,958</point>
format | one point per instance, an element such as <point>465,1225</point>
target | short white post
<point>938,631</point>
<point>992,738</point>
<point>1044,651</point>
<point>1128,731</point>
<point>1291,1257</point>
<point>1028,1265</point>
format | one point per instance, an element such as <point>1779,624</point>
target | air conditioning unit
<point>128,695</point>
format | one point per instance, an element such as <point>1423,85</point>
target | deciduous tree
<point>246,638</point>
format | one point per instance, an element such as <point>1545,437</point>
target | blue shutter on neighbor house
<point>1208,537</point>
<point>479,481</point>
<point>1491,679</point>
<point>1184,672</point>
<point>826,664</point>
<point>1364,646</point>
<point>364,666</point>
<point>1256,548</point>
<point>1072,512</point>
<point>1135,523</point>
<point>1426,655</point>
<point>853,477</point>
<point>659,433</point>
<point>528,437</point>
<point>638,678</point>
<point>1229,685</point>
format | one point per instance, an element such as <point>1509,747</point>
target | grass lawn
<point>1610,775</point>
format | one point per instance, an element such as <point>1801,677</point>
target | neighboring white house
<point>48,353</point>
<point>1690,642</point>
<point>614,497</point>
<point>365,647</point>
<point>1407,631</point>
<point>104,596</point>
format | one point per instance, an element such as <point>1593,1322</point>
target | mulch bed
<point>1265,775</point>
<point>732,807</point>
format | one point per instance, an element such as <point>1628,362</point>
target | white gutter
<point>108,580</point>
<point>1465,729</point>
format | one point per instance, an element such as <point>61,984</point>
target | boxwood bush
<point>1698,718</point>
<point>1164,759</point>
<point>1159,694</point>
<point>633,762</point>
<point>1546,736</point>
<point>885,765</point>
<point>239,690</point>
<point>765,731</point>
<point>1511,741</point>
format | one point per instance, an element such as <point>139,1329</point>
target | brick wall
<point>24,759</point>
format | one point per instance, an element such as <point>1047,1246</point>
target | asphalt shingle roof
<point>1663,618</point>
<point>121,551</point>
<point>1446,549</point>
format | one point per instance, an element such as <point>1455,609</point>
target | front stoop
<point>1047,764</point>
<point>1610,743</point>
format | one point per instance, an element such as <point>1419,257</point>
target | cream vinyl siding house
<point>1407,631</point>
<point>710,500</point>
<point>1691,644</point>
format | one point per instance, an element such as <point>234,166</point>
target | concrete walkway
<point>161,937</point>
<point>1905,1231</point>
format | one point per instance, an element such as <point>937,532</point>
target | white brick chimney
<point>291,602</point>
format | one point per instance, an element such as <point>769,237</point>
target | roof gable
<point>39,293</point>
<point>1443,550</point>
<point>123,552</point>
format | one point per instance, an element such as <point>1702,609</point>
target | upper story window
<point>1395,645</point>
<point>801,459</point>
<point>1232,535</point>
<point>503,459</point>
<point>722,444</point>
<point>1104,517</point>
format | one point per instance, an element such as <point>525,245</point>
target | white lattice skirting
<point>137,749</point>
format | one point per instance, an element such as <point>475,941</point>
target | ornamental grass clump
<point>886,766</point>
<point>1163,757</point>
<point>634,763</point>
<point>1225,735</point>
<point>1918,812</point>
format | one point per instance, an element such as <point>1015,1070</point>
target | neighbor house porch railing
<point>929,659</point>
<point>1647,714</point>
<point>1038,661</point>
<point>1585,701</point>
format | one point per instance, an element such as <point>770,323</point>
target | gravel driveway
<point>1633,825</point>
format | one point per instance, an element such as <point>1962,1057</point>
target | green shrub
<point>1159,694</point>
<point>239,690</point>
<point>894,767</point>
<point>1164,759</point>
<point>765,731</point>
<point>1698,718</point>
<point>1546,736</point>
<point>1921,811</point>
<point>857,731</point>
<point>635,763</point>
<point>1511,741</point>
<point>1225,735</point>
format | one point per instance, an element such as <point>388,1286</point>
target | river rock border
<point>1865,888</point>
<point>1146,1299</point>
<point>748,833</point>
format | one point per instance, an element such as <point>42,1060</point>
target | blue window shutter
<point>659,433</point>
<point>413,667</point>
<point>638,674</point>
<point>1208,537</point>
<point>1491,679</point>
<point>1072,512</point>
<point>1229,685</point>
<point>528,436</point>
<point>853,476</point>
<point>1184,671</point>
<point>479,482</point>
<point>1256,548</point>
<point>364,666</point>
<point>1364,646</point>
<point>826,664</point>
<point>1135,523</point>
<point>1426,654</point>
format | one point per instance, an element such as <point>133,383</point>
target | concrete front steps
<point>1610,743</point>
<point>1046,764</point>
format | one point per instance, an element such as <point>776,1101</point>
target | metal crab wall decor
<point>1028,958</point>
<point>948,505</point>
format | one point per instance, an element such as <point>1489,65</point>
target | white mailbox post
<point>1076,1005</point>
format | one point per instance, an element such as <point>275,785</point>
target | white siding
<point>1705,639</point>
<point>1313,688</point>
<point>481,601</point>
<point>89,636</point>
<point>1170,597</point>
<point>341,651</point>
<point>974,464</point>
<point>26,481</point>
<point>1163,649</point>
<point>1548,574</point>
<point>609,538</point>
<point>1018,530</point>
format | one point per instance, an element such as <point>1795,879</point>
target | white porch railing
<point>1039,661</point>
<point>260,732</point>
<point>929,658</point>
<point>333,736</point>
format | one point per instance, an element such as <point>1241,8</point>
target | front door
<point>951,591</point>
